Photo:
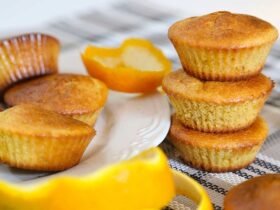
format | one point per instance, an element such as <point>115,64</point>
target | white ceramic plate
<point>128,124</point>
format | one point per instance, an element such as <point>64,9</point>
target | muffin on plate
<point>212,106</point>
<point>78,96</point>
<point>259,193</point>
<point>37,139</point>
<point>26,56</point>
<point>222,46</point>
<point>218,152</point>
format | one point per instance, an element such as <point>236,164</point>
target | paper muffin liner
<point>27,56</point>
<point>222,64</point>
<point>210,117</point>
<point>42,153</point>
<point>216,159</point>
<point>89,118</point>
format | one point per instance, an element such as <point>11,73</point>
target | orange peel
<point>189,188</point>
<point>137,66</point>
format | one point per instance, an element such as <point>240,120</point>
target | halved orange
<point>143,182</point>
<point>137,66</point>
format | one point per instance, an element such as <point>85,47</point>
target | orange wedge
<point>144,182</point>
<point>137,66</point>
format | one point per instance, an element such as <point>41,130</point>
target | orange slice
<point>137,66</point>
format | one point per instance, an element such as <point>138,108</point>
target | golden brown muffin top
<point>181,85</point>
<point>223,30</point>
<point>259,193</point>
<point>31,120</point>
<point>62,93</point>
<point>249,137</point>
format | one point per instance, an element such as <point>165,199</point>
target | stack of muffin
<point>220,91</point>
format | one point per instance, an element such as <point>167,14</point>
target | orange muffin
<point>26,56</point>
<point>222,46</point>
<point>218,152</point>
<point>259,193</point>
<point>38,139</point>
<point>78,96</point>
<point>211,106</point>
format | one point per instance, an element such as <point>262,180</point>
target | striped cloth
<point>111,24</point>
